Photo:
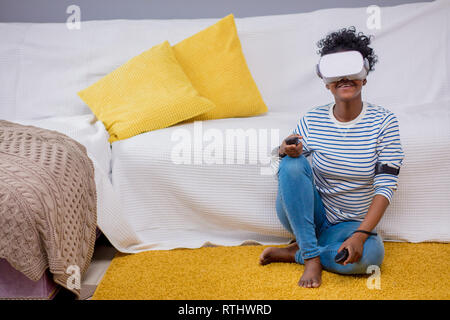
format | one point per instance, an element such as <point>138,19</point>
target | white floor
<point>104,252</point>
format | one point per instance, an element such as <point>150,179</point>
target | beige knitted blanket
<point>48,204</point>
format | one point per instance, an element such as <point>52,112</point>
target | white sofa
<point>148,201</point>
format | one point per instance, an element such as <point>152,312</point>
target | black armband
<point>384,168</point>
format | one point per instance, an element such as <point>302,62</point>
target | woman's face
<point>346,90</point>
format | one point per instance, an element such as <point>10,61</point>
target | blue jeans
<point>300,210</point>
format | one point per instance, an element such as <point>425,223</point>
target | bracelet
<point>366,232</point>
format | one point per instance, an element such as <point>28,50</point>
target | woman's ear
<point>364,82</point>
<point>327,86</point>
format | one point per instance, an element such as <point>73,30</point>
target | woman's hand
<point>355,246</point>
<point>292,150</point>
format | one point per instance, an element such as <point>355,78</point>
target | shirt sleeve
<point>390,152</point>
<point>301,129</point>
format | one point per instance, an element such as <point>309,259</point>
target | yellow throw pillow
<point>214,62</point>
<point>149,92</point>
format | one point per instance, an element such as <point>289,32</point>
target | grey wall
<point>55,10</point>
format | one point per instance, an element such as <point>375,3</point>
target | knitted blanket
<point>48,205</point>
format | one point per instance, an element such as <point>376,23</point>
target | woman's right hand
<point>292,150</point>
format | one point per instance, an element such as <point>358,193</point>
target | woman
<point>336,204</point>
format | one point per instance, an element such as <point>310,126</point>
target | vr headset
<point>345,64</point>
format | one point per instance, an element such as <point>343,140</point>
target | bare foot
<point>274,254</point>
<point>312,276</point>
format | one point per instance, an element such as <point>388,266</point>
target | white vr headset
<point>345,64</point>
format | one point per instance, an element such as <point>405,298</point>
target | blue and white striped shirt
<point>344,155</point>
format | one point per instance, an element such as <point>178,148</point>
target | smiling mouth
<point>345,84</point>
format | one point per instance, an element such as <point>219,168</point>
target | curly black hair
<point>348,39</point>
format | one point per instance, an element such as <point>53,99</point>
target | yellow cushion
<point>149,92</point>
<point>214,62</point>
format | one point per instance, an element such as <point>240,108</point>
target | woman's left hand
<point>355,246</point>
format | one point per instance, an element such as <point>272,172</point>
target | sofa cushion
<point>149,92</point>
<point>214,62</point>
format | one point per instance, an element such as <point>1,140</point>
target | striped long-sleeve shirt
<point>344,155</point>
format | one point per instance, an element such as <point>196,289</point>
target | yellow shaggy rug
<point>409,271</point>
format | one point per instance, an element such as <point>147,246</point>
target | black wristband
<point>366,232</point>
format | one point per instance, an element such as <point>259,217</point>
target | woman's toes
<point>303,283</point>
<point>266,256</point>
<point>273,254</point>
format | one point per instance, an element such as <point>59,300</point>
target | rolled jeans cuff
<point>300,257</point>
